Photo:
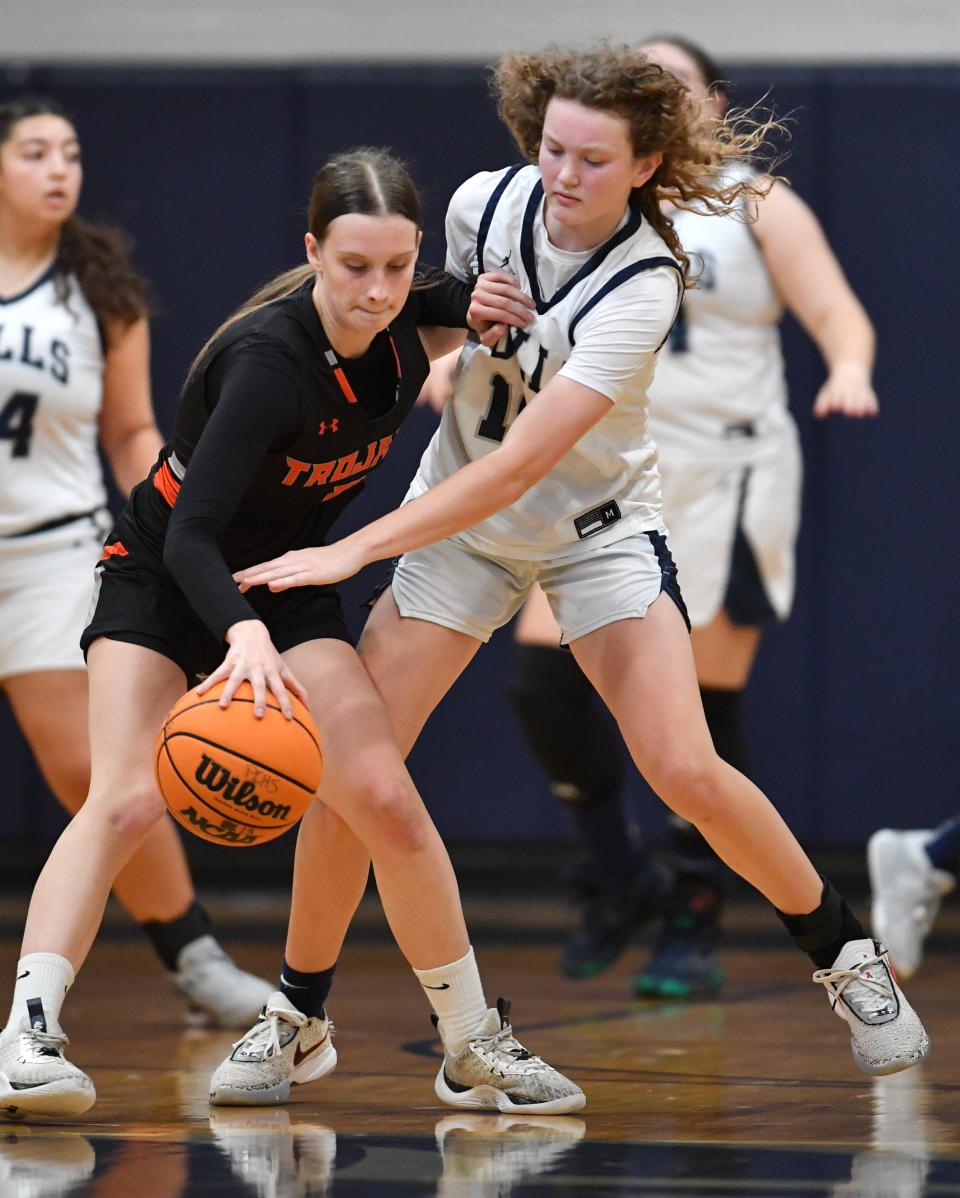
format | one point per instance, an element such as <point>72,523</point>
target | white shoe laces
<point>505,1052</point>
<point>36,1045</point>
<point>266,1031</point>
<point>869,996</point>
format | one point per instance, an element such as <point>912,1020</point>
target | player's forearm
<point>845,337</point>
<point>470,495</point>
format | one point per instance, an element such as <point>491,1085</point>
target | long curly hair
<point>96,255</point>
<point>661,116</point>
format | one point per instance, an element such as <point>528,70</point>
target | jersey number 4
<point>16,421</point>
<point>494,425</point>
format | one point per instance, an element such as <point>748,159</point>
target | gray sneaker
<point>35,1076</point>
<point>907,889</point>
<point>495,1072</point>
<point>216,989</point>
<point>283,1048</point>
<point>886,1034</point>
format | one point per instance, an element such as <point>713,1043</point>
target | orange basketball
<point>233,778</point>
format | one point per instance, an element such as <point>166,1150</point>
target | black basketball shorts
<point>136,600</point>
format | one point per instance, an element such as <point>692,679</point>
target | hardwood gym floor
<point>754,1094</point>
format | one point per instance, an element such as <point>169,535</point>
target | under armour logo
<point>328,426</point>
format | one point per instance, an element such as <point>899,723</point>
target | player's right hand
<point>252,658</point>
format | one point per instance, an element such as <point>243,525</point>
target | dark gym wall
<point>852,709</point>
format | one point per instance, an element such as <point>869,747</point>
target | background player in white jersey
<point>74,369</point>
<point>542,472</point>
<point>730,466</point>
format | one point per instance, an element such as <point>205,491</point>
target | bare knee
<point>128,815</point>
<point>691,785</point>
<point>395,814</point>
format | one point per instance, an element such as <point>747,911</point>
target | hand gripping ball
<point>232,778</point>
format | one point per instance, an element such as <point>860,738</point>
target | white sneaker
<point>907,889</point>
<point>283,1048</point>
<point>216,989</point>
<point>495,1072</point>
<point>36,1078</point>
<point>493,1154</point>
<point>273,1156</point>
<point>886,1034</point>
<point>33,1166</point>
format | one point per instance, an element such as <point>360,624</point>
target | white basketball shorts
<point>46,582</point>
<point>733,529</point>
<point>453,585</point>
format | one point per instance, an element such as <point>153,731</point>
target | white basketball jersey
<point>722,368</point>
<point>601,317</point>
<point>51,389</point>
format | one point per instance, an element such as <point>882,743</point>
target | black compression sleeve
<point>257,409</point>
<point>444,302</point>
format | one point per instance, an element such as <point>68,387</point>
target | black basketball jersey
<point>274,435</point>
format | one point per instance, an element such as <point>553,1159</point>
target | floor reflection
<point>276,1153</point>
<point>43,1166</point>
<point>897,1163</point>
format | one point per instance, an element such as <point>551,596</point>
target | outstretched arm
<point>614,342</point>
<point>813,286</point>
<point>543,432</point>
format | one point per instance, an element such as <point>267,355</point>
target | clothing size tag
<point>599,518</point>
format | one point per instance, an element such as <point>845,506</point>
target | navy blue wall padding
<point>852,715</point>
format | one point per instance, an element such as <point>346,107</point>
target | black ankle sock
<point>170,936</point>
<point>825,930</point>
<point>307,991</point>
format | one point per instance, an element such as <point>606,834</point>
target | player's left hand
<point>496,304</point>
<point>848,392</point>
<point>319,566</point>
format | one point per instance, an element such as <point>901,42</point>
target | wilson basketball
<point>232,778</point>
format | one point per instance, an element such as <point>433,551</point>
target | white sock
<point>456,994</point>
<point>43,980</point>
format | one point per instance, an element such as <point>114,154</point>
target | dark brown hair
<point>661,116</point>
<point>365,180</point>
<point>98,256</point>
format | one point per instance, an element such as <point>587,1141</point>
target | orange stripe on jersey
<point>166,483</point>
<point>117,549</point>
<point>344,385</point>
<point>396,358</point>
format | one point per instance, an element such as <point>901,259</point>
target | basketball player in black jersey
<point>288,409</point>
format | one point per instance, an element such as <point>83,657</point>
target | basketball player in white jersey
<point>543,472</point>
<point>74,370</point>
<point>730,466</point>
